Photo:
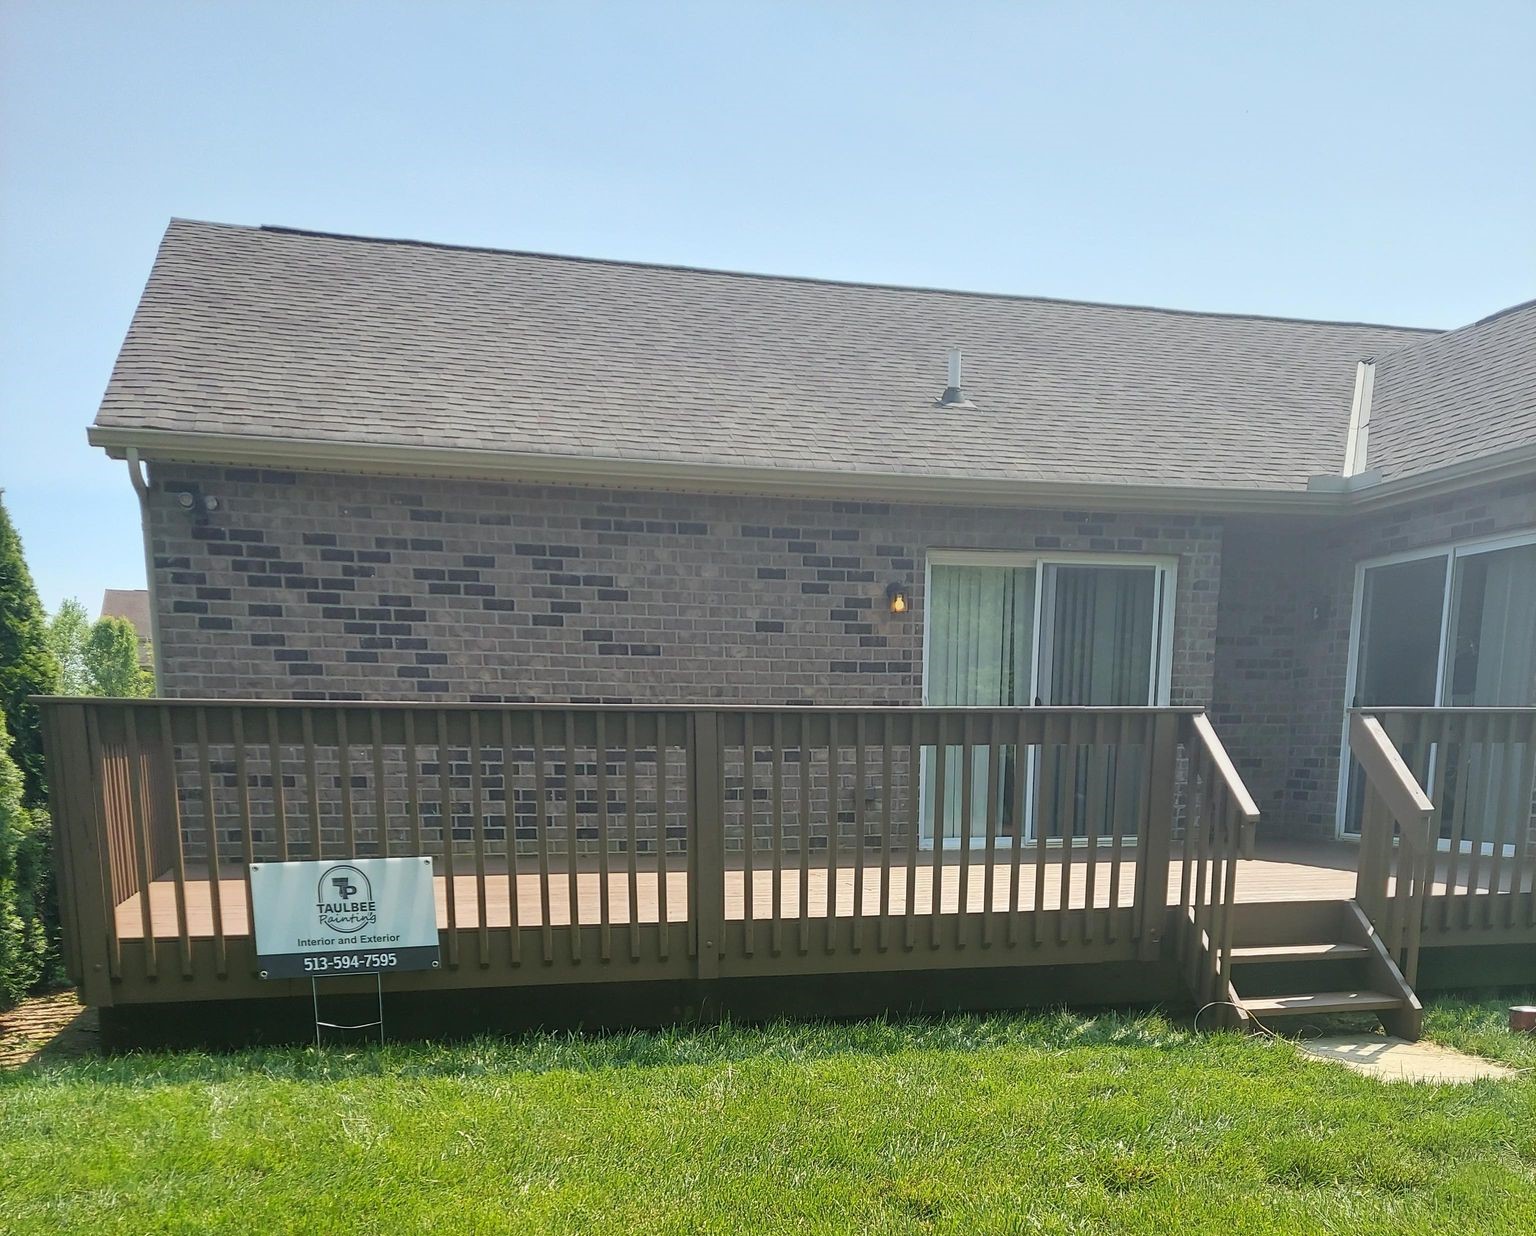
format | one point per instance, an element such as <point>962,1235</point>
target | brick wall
<point>309,586</point>
<point>1282,646</point>
<point>1263,606</point>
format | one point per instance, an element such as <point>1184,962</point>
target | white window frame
<point>1159,685</point>
<point>1451,551</point>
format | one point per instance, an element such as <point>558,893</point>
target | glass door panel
<point>1490,663</point>
<point>1398,655</point>
<point>1101,628</point>
<point>1492,644</point>
<point>981,622</point>
<point>1100,634</point>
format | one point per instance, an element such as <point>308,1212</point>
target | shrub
<point>28,935</point>
<point>112,659</point>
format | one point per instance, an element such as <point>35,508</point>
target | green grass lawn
<point>1053,1123</point>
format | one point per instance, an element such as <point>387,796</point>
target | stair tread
<point>1321,1002</point>
<point>1297,952</point>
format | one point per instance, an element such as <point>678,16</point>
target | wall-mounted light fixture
<point>200,505</point>
<point>898,598</point>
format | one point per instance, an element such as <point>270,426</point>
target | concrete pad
<point>1389,1059</point>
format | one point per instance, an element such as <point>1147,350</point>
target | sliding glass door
<point>1015,630</point>
<point>1453,627</point>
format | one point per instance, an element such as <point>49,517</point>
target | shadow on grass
<point>1472,1021</point>
<point>1053,1031</point>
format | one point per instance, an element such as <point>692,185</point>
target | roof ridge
<point>1456,331</point>
<point>1497,314</point>
<point>1428,331</point>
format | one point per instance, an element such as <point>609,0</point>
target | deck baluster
<point>445,827</point>
<point>541,832</point>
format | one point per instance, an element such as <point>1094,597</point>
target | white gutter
<point>174,446</point>
<point>1324,494</point>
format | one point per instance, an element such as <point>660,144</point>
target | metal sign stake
<point>314,991</point>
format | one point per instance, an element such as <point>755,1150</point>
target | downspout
<point>141,488</point>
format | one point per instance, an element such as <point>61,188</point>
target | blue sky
<point>1362,161</point>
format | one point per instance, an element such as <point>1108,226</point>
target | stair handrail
<point>1222,763</point>
<point>1398,815</point>
<point>1223,819</point>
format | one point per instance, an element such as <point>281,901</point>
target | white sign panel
<point>362,916</point>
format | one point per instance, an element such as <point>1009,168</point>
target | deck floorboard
<point>1289,872</point>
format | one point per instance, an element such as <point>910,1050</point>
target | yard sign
<point>362,916</point>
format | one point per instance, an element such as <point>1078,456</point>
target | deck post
<point>706,847</point>
<point>74,790</point>
<point>1152,880</point>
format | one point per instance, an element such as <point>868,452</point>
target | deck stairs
<point>1318,959</point>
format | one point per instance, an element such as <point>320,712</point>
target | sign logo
<point>344,900</point>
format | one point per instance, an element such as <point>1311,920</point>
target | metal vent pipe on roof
<point>954,393</point>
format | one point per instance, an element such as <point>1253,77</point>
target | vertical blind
<point>980,643</point>
<point>1491,650</point>
<point>1103,627</point>
<point>981,631</point>
<point>1492,644</point>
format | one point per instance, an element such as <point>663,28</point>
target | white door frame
<point>1452,551</point>
<point>1159,685</point>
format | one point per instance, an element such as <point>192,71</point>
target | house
<point>375,472</point>
<point>131,605</point>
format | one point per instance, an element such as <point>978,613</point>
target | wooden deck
<point>148,788</point>
<point>1279,872</point>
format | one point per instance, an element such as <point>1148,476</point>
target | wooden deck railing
<point>1397,846</point>
<point>1478,768</point>
<point>1222,821</point>
<point>588,843</point>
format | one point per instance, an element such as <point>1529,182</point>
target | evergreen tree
<point>26,934</point>
<point>27,665</point>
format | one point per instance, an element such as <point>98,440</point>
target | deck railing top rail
<point>226,703</point>
<point>1448,710</point>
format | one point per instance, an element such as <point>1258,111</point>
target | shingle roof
<point>132,604</point>
<point>129,603</point>
<point>317,338</point>
<point>1459,396</point>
